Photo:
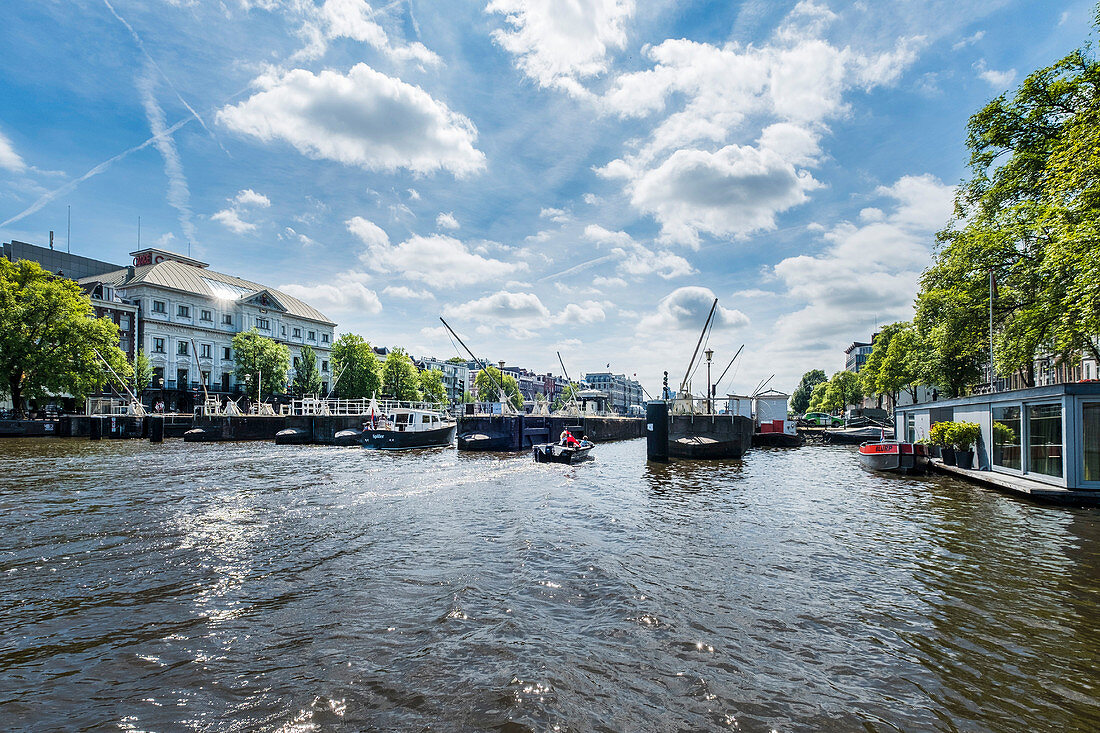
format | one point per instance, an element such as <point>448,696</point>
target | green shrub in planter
<point>938,433</point>
<point>964,435</point>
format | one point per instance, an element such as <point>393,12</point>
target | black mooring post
<point>156,429</point>
<point>656,425</point>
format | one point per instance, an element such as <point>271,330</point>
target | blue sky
<point>573,175</point>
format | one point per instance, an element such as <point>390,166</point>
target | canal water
<point>249,586</point>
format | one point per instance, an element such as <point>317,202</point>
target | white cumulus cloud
<point>347,293</point>
<point>363,118</point>
<point>9,159</point>
<point>686,309</point>
<point>557,42</point>
<point>446,220</point>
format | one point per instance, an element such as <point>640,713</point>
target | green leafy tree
<point>565,396</point>
<point>467,397</point>
<point>1029,214</point>
<point>400,380</point>
<point>800,400</point>
<point>431,386</point>
<point>456,360</point>
<point>844,389</point>
<point>898,361</point>
<point>143,372</point>
<point>818,397</point>
<point>356,367</point>
<point>257,356</point>
<point>487,388</point>
<point>307,379</point>
<point>49,337</point>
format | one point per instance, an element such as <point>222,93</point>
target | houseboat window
<point>1091,442</point>
<point>1006,437</point>
<point>911,427</point>
<point>1044,424</point>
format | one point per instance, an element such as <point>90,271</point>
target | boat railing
<point>692,405</point>
<point>342,407</point>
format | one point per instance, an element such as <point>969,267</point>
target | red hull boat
<point>890,455</point>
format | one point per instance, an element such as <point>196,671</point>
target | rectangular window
<point>227,354</point>
<point>206,316</point>
<point>181,348</point>
<point>324,366</point>
<point>297,333</point>
<point>158,346</point>
<point>263,323</point>
<point>1044,424</point>
<point>183,311</point>
<point>227,319</point>
<point>124,322</point>
<point>312,336</point>
<point>1091,443</point>
<point>324,338</point>
<point>1006,437</point>
<point>282,330</point>
<point>205,351</point>
<point>159,306</point>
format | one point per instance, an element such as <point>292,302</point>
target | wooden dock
<point>1022,486</point>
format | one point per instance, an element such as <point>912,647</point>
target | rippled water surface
<point>250,586</point>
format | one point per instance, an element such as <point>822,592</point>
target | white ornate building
<point>188,314</point>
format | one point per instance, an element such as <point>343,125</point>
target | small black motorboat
<point>558,453</point>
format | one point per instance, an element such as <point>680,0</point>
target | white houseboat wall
<point>1048,434</point>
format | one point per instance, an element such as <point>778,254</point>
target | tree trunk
<point>1093,350</point>
<point>15,386</point>
<point>1029,376</point>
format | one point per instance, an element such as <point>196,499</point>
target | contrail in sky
<point>141,45</point>
<point>581,266</point>
<point>179,195</point>
<point>48,197</point>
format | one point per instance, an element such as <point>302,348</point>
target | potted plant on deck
<point>940,435</point>
<point>965,436</point>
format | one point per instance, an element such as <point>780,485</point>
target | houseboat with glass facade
<point>1045,435</point>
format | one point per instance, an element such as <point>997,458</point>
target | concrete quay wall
<point>523,431</point>
<point>321,428</point>
<point>718,427</point>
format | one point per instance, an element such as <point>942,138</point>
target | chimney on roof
<point>129,273</point>
<point>51,239</point>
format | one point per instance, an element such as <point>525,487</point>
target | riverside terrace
<point>1051,449</point>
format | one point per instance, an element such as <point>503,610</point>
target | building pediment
<point>264,299</point>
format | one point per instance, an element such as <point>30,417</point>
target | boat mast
<point>687,375</point>
<point>719,380</point>
<point>481,364</point>
<point>572,397</point>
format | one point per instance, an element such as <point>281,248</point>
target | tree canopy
<point>487,389</point>
<point>431,386</point>
<point>400,380</point>
<point>1030,215</point>
<point>355,367</point>
<point>841,390</point>
<point>565,396</point>
<point>307,378</point>
<point>258,356</point>
<point>49,338</point>
<point>900,361</point>
<point>143,372</point>
<point>800,399</point>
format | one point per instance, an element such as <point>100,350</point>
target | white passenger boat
<point>401,425</point>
